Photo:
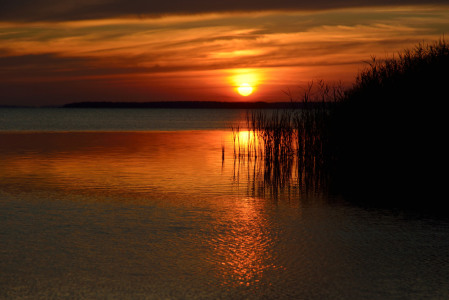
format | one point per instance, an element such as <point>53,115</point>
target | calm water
<point>74,119</point>
<point>116,204</point>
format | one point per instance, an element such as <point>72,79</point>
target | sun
<point>245,82</point>
<point>245,89</point>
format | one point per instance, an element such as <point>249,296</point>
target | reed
<point>387,134</point>
<point>382,133</point>
<point>290,142</point>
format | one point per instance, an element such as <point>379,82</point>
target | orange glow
<point>246,138</point>
<point>246,253</point>
<point>245,81</point>
<point>155,168</point>
<point>245,89</point>
<point>203,56</point>
<point>141,166</point>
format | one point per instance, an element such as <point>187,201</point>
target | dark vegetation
<point>387,135</point>
<point>380,142</point>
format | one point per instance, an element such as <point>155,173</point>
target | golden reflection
<point>245,142</point>
<point>193,163</point>
<point>245,252</point>
<point>246,137</point>
<point>113,162</point>
<point>175,168</point>
<point>260,175</point>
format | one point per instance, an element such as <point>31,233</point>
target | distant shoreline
<point>189,105</point>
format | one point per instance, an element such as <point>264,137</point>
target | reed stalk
<point>387,126</point>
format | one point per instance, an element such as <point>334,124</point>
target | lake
<point>154,204</point>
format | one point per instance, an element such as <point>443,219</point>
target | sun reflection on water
<point>262,176</point>
<point>185,218</point>
<point>245,251</point>
<point>168,169</point>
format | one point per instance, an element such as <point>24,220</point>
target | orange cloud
<point>190,57</point>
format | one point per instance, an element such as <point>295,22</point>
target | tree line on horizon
<point>187,105</point>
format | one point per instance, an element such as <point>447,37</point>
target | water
<point>78,119</point>
<point>131,211</point>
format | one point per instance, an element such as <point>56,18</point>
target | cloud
<point>179,56</point>
<point>117,47</point>
<point>63,10</point>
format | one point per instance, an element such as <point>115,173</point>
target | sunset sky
<point>56,52</point>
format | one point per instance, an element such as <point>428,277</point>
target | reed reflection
<point>273,159</point>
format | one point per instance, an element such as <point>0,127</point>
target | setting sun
<point>245,81</point>
<point>223,149</point>
<point>245,89</point>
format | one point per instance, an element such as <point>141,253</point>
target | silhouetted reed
<point>380,137</point>
<point>387,135</point>
<point>289,143</point>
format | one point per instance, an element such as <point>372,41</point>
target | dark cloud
<point>51,10</point>
<point>55,67</point>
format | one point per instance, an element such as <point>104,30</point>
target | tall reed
<point>290,142</point>
<point>387,133</point>
<point>382,133</point>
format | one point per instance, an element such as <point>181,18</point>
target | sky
<point>57,52</point>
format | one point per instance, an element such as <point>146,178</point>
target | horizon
<point>230,52</point>
<point>196,149</point>
<point>137,104</point>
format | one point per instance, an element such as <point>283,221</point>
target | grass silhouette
<point>387,133</point>
<point>381,140</point>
